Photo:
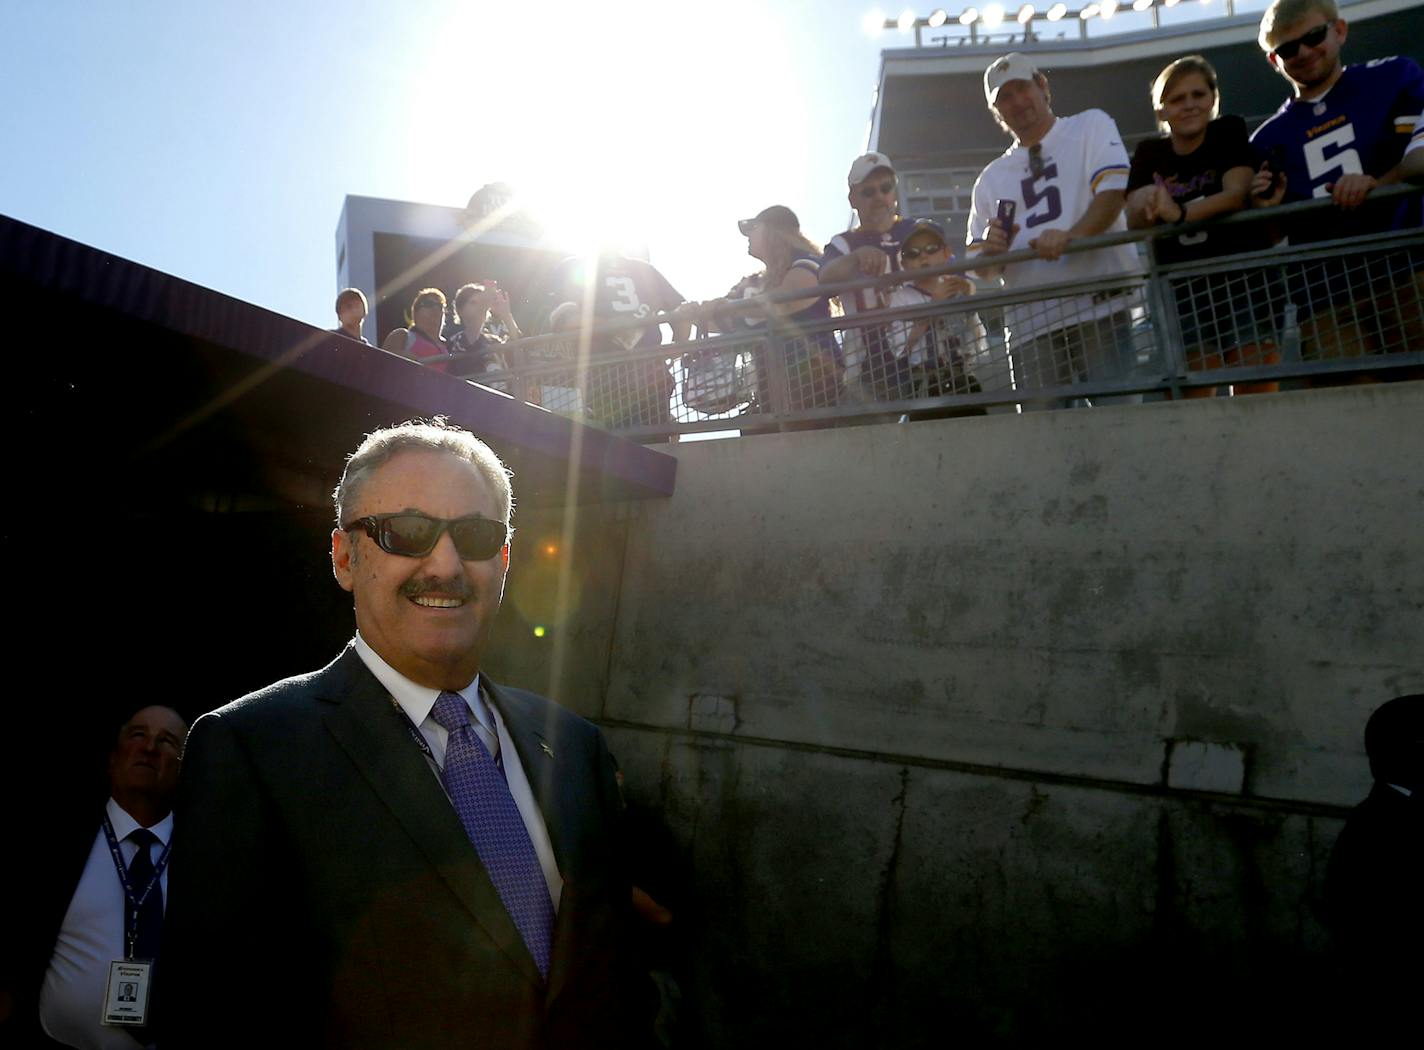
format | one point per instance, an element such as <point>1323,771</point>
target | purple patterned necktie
<point>486,808</point>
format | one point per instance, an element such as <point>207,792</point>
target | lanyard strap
<point>135,899</point>
<point>424,745</point>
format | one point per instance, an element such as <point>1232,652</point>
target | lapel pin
<point>546,749</point>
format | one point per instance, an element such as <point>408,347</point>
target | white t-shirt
<point>949,333</point>
<point>1082,156</point>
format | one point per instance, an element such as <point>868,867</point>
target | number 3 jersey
<point>1363,125</point>
<point>621,289</point>
<point>1081,156</point>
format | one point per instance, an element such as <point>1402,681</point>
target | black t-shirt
<point>1197,175</point>
<point>622,289</point>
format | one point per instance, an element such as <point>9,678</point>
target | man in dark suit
<point>75,922</point>
<point>394,851</point>
<point>1374,885</point>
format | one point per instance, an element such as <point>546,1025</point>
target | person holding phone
<point>478,347</point>
<point>1065,177</point>
<point>1201,169</point>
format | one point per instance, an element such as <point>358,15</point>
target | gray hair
<point>437,434</point>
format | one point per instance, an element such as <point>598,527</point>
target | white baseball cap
<point>866,165</point>
<point>1013,66</point>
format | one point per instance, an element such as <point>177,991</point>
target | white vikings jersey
<point>1081,156</point>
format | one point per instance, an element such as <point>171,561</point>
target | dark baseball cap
<point>778,215</point>
<point>926,226</point>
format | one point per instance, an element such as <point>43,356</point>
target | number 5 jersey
<point>1363,125</point>
<point>1081,156</point>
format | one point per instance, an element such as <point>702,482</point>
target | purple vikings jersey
<point>888,242</point>
<point>1363,125</point>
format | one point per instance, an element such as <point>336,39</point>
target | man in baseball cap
<point>1063,179</point>
<point>871,248</point>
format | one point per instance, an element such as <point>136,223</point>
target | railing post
<point>778,367</point>
<point>1166,325</point>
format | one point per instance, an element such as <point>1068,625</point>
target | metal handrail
<point>1148,292</point>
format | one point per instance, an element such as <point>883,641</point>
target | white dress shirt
<point>417,701</point>
<point>91,937</point>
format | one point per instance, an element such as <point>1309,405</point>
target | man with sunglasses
<point>871,249</point>
<point>1345,130</point>
<point>396,821</point>
<point>1064,179</point>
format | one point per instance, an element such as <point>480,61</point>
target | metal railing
<point>1251,320</point>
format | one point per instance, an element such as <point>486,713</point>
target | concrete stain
<point>1198,718</point>
<point>1141,667</point>
<point>1086,472</point>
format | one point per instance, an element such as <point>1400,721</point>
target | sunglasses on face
<point>428,304</point>
<point>413,535</point>
<point>885,189</point>
<point>911,254</point>
<point>1287,51</point>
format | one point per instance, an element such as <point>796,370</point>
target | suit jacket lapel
<point>546,770</point>
<point>368,727</point>
<point>533,740</point>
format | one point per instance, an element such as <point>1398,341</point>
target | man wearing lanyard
<point>96,990</point>
<point>402,853</point>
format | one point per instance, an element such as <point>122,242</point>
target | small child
<point>932,355</point>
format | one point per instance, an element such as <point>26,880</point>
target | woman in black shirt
<point>1203,169</point>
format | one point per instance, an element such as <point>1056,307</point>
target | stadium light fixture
<point>1141,5</point>
<point>1025,14</point>
<point>1107,9</point>
<point>906,21</point>
<point>1170,3</point>
<point>993,16</point>
<point>1091,11</point>
<point>937,18</point>
<point>968,16</point>
<point>1057,11</point>
<point>874,22</point>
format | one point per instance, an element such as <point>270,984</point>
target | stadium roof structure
<point>204,398</point>
<point>393,248</point>
<point>172,454</point>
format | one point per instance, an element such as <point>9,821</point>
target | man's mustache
<point>452,587</point>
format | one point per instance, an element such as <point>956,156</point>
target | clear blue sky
<point>217,142</point>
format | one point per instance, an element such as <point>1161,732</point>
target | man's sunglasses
<point>883,190</point>
<point>1287,51</point>
<point>414,535</point>
<point>915,253</point>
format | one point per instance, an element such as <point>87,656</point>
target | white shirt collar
<point>417,700</point>
<point>124,824</point>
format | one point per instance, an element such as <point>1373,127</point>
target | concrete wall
<point>1005,726</point>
